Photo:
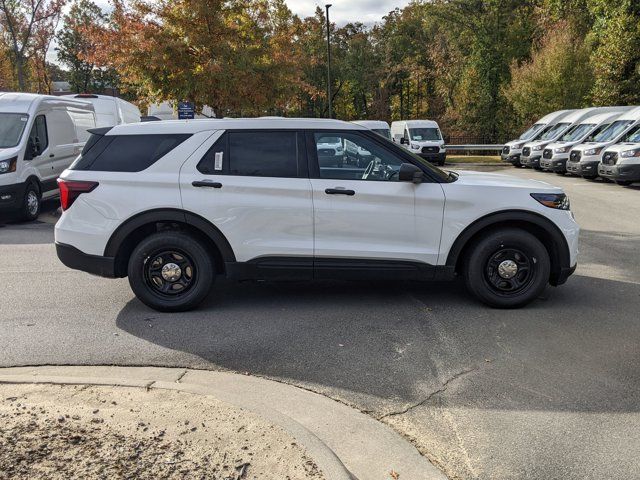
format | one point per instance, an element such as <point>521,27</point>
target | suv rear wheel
<point>507,268</point>
<point>171,272</point>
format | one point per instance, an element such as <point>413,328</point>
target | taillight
<point>72,189</point>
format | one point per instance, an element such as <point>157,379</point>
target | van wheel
<point>171,272</point>
<point>507,268</point>
<point>31,202</point>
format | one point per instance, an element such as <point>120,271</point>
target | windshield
<point>596,132</point>
<point>555,131</point>
<point>11,127</point>
<point>384,132</point>
<point>425,134</point>
<point>632,136</point>
<point>615,129</point>
<point>577,132</point>
<point>533,130</point>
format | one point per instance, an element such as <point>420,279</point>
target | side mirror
<point>410,173</point>
<point>32,150</point>
<point>404,141</point>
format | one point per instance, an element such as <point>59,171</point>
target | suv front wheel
<point>507,268</point>
<point>171,272</point>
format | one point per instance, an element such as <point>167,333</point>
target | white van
<point>584,158</point>
<point>422,137</point>
<point>377,126</point>
<point>512,150</point>
<point>532,151</point>
<point>555,156</point>
<point>110,111</point>
<point>621,162</point>
<point>40,136</point>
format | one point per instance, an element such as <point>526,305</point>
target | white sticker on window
<point>217,165</point>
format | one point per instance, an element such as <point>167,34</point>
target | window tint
<point>253,153</point>
<point>38,138</point>
<point>350,156</point>
<point>127,153</point>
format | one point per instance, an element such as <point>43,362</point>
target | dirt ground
<point>61,432</point>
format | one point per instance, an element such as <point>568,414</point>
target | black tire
<point>623,183</point>
<point>496,248</point>
<point>147,265</point>
<point>31,203</point>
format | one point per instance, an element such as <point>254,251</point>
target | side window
<point>38,137</point>
<point>362,159</point>
<point>255,154</point>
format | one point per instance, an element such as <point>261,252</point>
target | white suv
<point>173,204</point>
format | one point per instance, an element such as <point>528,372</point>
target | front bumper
<point>622,172</point>
<point>532,161</point>
<point>559,165</point>
<point>11,197</point>
<point>77,260</point>
<point>583,169</point>
<point>434,157</point>
<point>513,158</point>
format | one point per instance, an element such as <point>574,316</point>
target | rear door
<point>366,213</point>
<point>254,187</point>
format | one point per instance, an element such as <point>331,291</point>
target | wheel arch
<point>539,226</point>
<point>132,231</point>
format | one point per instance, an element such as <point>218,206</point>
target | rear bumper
<point>628,173</point>
<point>11,197</point>
<point>77,260</point>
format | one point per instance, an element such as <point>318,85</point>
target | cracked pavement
<point>549,391</point>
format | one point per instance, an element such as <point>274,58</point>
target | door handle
<point>340,191</point>
<point>205,183</point>
<point>51,156</point>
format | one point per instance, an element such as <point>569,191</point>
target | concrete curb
<point>345,443</point>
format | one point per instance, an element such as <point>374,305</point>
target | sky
<point>341,12</point>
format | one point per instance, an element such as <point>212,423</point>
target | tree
<point>27,26</point>
<point>558,76</point>
<point>75,44</point>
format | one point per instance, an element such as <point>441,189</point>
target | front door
<point>366,213</point>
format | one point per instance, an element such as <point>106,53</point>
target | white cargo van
<point>512,150</point>
<point>377,126</point>
<point>621,162</point>
<point>422,137</point>
<point>532,151</point>
<point>40,136</point>
<point>110,111</point>
<point>554,157</point>
<point>584,158</point>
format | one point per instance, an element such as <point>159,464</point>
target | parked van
<point>40,136</point>
<point>555,156</point>
<point>584,158</point>
<point>512,150</point>
<point>377,126</point>
<point>110,111</point>
<point>422,137</point>
<point>621,162</point>
<point>532,151</point>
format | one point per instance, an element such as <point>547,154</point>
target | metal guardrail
<point>488,148</point>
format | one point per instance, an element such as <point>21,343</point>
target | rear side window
<point>255,154</point>
<point>126,153</point>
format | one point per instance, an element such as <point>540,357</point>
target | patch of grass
<point>473,159</point>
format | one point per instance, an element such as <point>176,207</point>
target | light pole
<point>327,6</point>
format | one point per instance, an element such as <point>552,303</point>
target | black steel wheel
<point>507,268</point>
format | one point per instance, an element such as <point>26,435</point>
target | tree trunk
<point>20,72</point>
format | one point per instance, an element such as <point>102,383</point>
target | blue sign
<point>186,111</point>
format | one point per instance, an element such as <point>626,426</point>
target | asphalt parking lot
<point>546,392</point>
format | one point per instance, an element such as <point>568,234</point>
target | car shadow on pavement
<point>575,349</point>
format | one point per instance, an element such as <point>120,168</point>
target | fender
<point>169,215</point>
<point>560,258</point>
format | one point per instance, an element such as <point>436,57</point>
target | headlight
<point>8,166</point>
<point>559,201</point>
<point>560,150</point>
<point>593,151</point>
<point>537,148</point>
<point>630,153</point>
<point>415,147</point>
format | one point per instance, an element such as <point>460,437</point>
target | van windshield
<point>577,132</point>
<point>529,134</point>
<point>615,129</point>
<point>556,131</point>
<point>633,136</point>
<point>425,134</point>
<point>384,132</point>
<point>12,126</point>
